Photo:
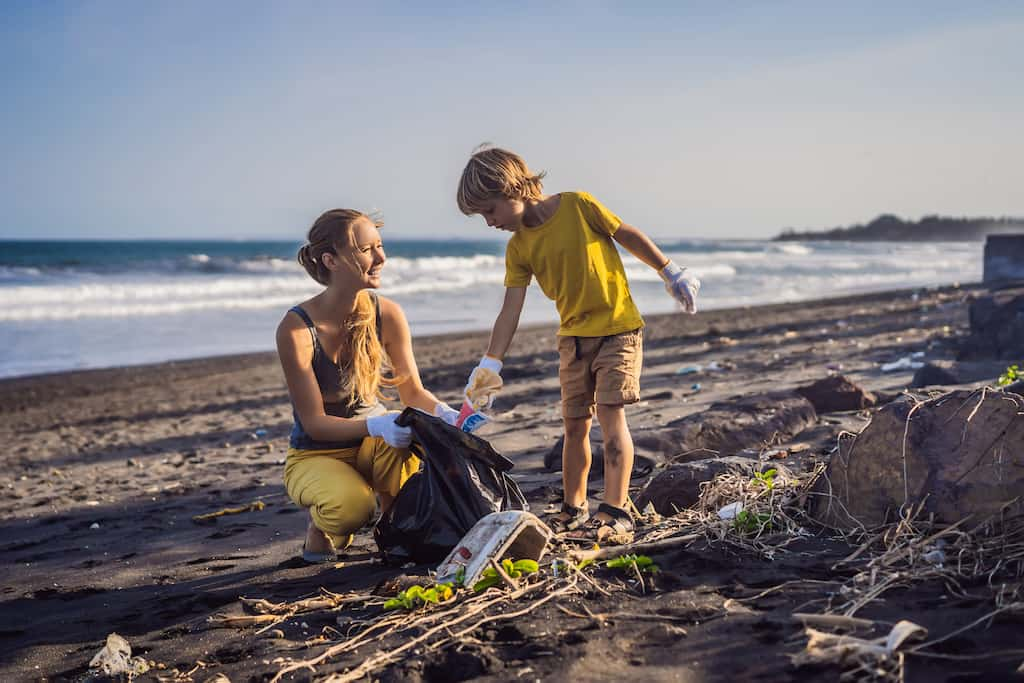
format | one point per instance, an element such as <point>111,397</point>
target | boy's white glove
<point>384,426</point>
<point>681,286</point>
<point>446,413</point>
<point>483,383</point>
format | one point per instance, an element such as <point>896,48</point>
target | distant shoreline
<point>890,228</point>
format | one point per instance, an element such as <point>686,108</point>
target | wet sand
<point>104,470</point>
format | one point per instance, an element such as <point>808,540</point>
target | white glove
<point>384,426</point>
<point>446,413</point>
<point>681,286</point>
<point>486,363</point>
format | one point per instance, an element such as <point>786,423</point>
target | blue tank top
<point>328,378</point>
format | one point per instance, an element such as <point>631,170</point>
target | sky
<point>688,119</point>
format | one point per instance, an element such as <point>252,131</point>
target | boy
<point>567,241</point>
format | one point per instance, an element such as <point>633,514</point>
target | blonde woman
<point>345,448</point>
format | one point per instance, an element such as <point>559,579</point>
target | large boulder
<point>747,422</point>
<point>677,487</point>
<point>961,453</point>
<point>997,326</point>
<point>836,394</point>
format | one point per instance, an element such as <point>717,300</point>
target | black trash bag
<point>461,480</point>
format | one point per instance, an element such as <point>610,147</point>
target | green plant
<point>747,522</point>
<point>1011,375</point>
<point>514,570</point>
<point>414,596</point>
<point>640,563</point>
<point>766,478</point>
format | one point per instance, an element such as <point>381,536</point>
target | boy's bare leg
<point>576,460</point>
<point>618,455</point>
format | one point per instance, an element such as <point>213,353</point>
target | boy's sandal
<point>568,518</point>
<point>616,531</point>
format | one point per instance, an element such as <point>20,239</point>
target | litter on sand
<point>688,370</point>
<point>731,510</point>
<point>256,505</point>
<point>905,363</point>
<point>115,659</point>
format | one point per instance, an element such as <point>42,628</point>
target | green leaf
<point>526,566</point>
<point>486,582</point>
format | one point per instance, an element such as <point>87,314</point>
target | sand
<point>104,470</point>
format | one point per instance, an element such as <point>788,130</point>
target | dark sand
<point>104,470</point>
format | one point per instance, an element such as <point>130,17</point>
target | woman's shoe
<point>319,558</point>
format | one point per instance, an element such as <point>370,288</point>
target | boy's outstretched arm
<point>501,338</point>
<point>682,286</point>
<point>640,245</point>
<point>507,322</point>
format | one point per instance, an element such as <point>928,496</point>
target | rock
<point>746,422</point>
<point>642,466</point>
<point>1004,258</point>
<point>553,458</point>
<point>951,372</point>
<point>678,487</point>
<point>836,394</point>
<point>963,457</point>
<point>997,326</point>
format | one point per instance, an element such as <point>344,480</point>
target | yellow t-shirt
<point>577,266</point>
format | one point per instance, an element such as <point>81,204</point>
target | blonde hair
<point>362,374</point>
<point>495,173</point>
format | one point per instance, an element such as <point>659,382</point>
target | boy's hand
<point>483,383</point>
<point>681,286</point>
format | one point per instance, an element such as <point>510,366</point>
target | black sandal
<point>616,531</point>
<point>577,516</point>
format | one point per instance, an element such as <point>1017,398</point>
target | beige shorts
<point>605,370</point>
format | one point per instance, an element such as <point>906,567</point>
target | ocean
<point>88,304</point>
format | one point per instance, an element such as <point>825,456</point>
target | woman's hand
<point>446,413</point>
<point>384,426</point>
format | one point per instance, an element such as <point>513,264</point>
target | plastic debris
<point>115,659</point>
<point>688,370</point>
<point>94,525</point>
<point>905,363</point>
<point>731,510</point>
<point>836,647</point>
<point>714,366</point>
<point>936,557</point>
<point>695,386</point>
<point>260,433</point>
<point>513,534</point>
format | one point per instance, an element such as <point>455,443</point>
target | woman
<point>345,446</point>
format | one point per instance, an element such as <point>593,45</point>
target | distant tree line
<point>890,228</point>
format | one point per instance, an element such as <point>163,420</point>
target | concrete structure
<point>1004,258</point>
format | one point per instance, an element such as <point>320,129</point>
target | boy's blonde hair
<point>495,173</point>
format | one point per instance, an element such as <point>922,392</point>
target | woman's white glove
<point>681,286</point>
<point>384,426</point>
<point>446,413</point>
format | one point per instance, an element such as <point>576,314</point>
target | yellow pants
<point>338,485</point>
